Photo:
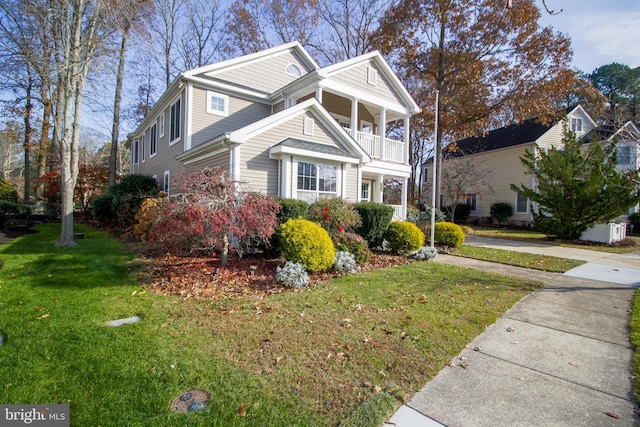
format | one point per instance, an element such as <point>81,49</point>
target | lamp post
<point>433,182</point>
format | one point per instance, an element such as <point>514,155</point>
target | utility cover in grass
<point>127,321</point>
<point>190,401</point>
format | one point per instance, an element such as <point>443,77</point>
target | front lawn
<point>538,237</point>
<point>350,348</point>
<point>519,259</point>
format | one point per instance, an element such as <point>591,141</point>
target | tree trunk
<point>27,142</point>
<point>224,252</point>
<point>115,132</point>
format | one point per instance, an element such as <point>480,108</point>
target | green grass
<point>634,326</point>
<point>519,259</point>
<point>538,237</point>
<point>305,358</point>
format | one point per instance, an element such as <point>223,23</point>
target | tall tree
<point>201,40</point>
<point>620,84</point>
<point>163,27</point>
<point>577,188</point>
<point>481,57</point>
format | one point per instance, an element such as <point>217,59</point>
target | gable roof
<point>627,131</point>
<point>516,134</point>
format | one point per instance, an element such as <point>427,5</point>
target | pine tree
<point>577,186</point>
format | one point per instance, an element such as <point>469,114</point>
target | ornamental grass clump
<point>404,237</point>
<point>345,263</point>
<point>425,253</point>
<point>306,242</point>
<point>292,275</point>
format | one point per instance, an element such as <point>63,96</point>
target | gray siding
<point>357,77</point>
<point>351,177</point>
<point>206,126</point>
<point>267,74</point>
<point>220,160</point>
<point>261,172</point>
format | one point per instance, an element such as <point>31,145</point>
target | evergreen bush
<point>404,236</point>
<point>291,209</point>
<point>307,243</point>
<point>449,234</point>
<point>129,194</point>
<point>634,219</point>
<point>334,215</point>
<point>102,208</point>
<point>376,218</point>
<point>501,211</point>
<point>7,191</point>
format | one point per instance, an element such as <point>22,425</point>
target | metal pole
<point>433,182</point>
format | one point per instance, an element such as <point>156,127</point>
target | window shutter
<point>309,125</point>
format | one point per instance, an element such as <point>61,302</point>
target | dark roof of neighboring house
<point>509,136</point>
<point>601,133</point>
<point>315,147</point>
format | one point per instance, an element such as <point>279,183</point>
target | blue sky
<point>601,31</point>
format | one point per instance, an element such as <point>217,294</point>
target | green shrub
<point>354,244</point>
<point>501,212</point>
<point>307,243</point>
<point>422,217</point>
<point>334,215</point>
<point>8,192</point>
<point>129,194</point>
<point>376,218</point>
<point>291,209</point>
<point>461,214</point>
<point>102,208</point>
<point>634,219</point>
<point>10,210</point>
<point>449,234</point>
<point>404,236</point>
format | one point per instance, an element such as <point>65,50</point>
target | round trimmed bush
<point>404,236</point>
<point>376,218</point>
<point>449,234</point>
<point>102,208</point>
<point>129,194</point>
<point>306,242</point>
<point>501,212</point>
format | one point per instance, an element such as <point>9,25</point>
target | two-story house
<point>283,125</point>
<point>499,152</point>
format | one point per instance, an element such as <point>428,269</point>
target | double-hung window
<point>135,151</point>
<point>472,201</point>
<point>161,124</point>
<point>175,118</point>
<point>576,124</point>
<point>153,140</point>
<point>624,155</point>
<point>522,204</point>
<point>142,138</point>
<point>316,181</point>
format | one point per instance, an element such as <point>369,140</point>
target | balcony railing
<point>380,148</point>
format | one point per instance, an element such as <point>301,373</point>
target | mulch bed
<point>254,276</point>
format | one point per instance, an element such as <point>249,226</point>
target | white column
<point>319,94</point>
<point>405,137</point>
<point>354,117</point>
<point>380,190</point>
<point>382,131</point>
<point>405,182</point>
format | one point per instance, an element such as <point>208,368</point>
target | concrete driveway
<point>560,357</point>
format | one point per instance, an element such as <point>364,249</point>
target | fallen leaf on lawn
<point>349,348</point>
<point>278,359</point>
<point>451,364</point>
<point>366,339</point>
<point>377,389</point>
<point>347,320</point>
<point>612,415</point>
<point>44,316</point>
<point>464,364</point>
<point>241,410</point>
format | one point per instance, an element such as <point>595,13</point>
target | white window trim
<point>175,140</point>
<point>166,182</point>
<point>297,74</point>
<point>576,122</point>
<point>526,211</point>
<point>135,154</point>
<point>368,185</point>
<point>475,196</point>
<point>161,125</point>
<point>317,191</point>
<point>224,97</point>
<point>153,130</point>
<point>142,156</point>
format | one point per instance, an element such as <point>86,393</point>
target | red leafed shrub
<point>209,210</point>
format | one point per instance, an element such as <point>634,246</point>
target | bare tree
<point>164,26</point>
<point>201,41</point>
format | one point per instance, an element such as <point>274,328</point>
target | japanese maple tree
<point>209,209</point>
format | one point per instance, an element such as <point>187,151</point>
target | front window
<point>522,204</point>
<point>161,124</point>
<point>142,147</point>
<point>316,180</point>
<point>175,121</point>
<point>576,124</point>
<point>135,152</point>
<point>153,140</point>
<point>364,192</point>
<point>624,155</point>
<point>472,201</point>
<point>166,182</point>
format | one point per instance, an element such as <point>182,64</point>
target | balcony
<point>379,148</point>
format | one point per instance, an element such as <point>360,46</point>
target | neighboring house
<point>500,150</point>
<point>282,125</point>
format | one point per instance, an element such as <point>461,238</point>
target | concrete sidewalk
<point>561,356</point>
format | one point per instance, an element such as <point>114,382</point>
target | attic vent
<point>372,76</point>
<point>293,70</point>
<point>309,124</point>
